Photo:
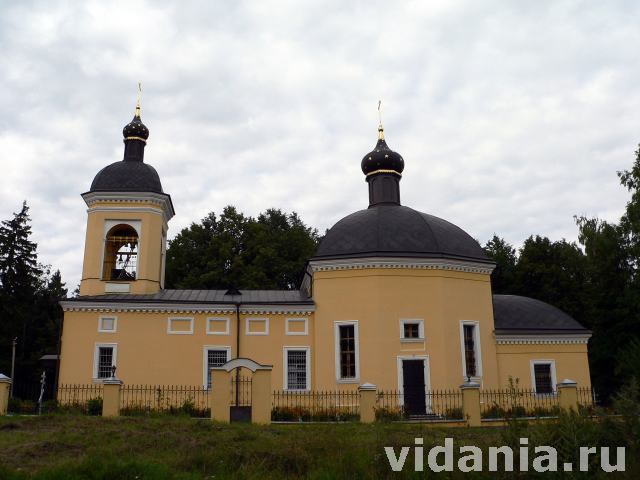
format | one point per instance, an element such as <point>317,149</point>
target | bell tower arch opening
<point>120,254</point>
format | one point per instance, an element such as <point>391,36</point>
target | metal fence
<point>172,399</point>
<point>438,405</point>
<point>587,397</point>
<point>85,398</point>
<point>329,405</point>
<point>240,391</point>
<point>517,403</point>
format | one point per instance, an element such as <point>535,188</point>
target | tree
<point>19,284</point>
<point>554,272</point>
<point>29,297</point>
<point>503,275</point>
<point>233,250</point>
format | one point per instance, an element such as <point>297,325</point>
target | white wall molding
<point>410,263</point>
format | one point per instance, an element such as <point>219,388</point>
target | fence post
<point>5,387</point>
<point>368,393</point>
<point>471,403</point>
<point>568,393</point>
<point>261,397</point>
<point>111,397</point>
<point>220,396</point>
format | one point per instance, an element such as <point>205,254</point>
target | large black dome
<point>398,231</point>
<point>127,176</point>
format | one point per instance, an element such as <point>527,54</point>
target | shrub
<point>94,406</point>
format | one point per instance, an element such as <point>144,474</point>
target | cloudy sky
<point>512,117</point>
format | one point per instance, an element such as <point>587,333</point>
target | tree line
<point>594,278</point>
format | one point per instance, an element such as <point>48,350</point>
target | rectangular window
<point>214,357</point>
<point>470,350</point>
<point>180,326</point>
<point>543,376</point>
<point>296,368</point>
<point>104,361</point>
<point>107,324</point>
<point>218,326</point>
<point>411,330</point>
<point>346,338</point>
<point>257,326</point>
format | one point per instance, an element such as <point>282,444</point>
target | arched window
<point>120,253</point>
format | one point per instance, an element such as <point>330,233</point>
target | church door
<point>414,387</point>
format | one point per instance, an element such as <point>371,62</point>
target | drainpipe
<point>237,351</point>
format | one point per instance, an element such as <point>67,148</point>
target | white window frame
<point>218,319</point>
<point>205,359</point>
<point>248,320</point>
<point>420,322</point>
<point>115,323</point>
<point>179,332</point>
<point>297,320</point>
<point>552,364</point>
<point>285,367</point>
<point>96,358</point>
<point>356,335</point>
<point>427,377</point>
<point>476,343</point>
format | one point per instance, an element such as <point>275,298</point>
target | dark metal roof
<point>516,314</point>
<point>398,231</point>
<point>127,176</point>
<point>253,297</point>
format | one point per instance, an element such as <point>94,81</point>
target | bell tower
<point>127,222</point>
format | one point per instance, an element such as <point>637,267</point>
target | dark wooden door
<point>414,388</point>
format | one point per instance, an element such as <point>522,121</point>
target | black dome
<point>135,128</point>
<point>382,158</point>
<point>398,231</point>
<point>524,314</point>
<point>127,176</point>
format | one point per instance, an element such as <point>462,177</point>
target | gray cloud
<point>512,117</point>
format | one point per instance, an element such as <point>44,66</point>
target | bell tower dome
<point>127,222</point>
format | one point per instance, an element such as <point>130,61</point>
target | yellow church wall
<point>148,354</point>
<point>149,249</point>
<point>571,362</point>
<point>378,299</point>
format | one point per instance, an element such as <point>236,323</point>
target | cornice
<point>552,339</point>
<point>161,199</point>
<point>410,263</point>
<point>80,306</point>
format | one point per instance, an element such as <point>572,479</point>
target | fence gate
<point>240,397</point>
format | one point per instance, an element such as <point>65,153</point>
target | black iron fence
<point>437,405</point>
<point>587,397</point>
<point>85,398</point>
<point>172,399</point>
<point>241,391</point>
<point>517,403</point>
<point>326,405</point>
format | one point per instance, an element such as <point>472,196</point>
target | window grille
<point>215,358</point>
<point>347,351</point>
<point>296,369</point>
<point>470,350</point>
<point>411,330</point>
<point>542,373</point>
<point>105,362</point>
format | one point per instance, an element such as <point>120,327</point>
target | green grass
<point>82,447</point>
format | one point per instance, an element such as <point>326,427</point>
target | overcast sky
<point>512,117</point>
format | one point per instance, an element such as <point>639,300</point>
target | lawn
<point>71,446</point>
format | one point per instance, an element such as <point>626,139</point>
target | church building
<point>393,296</point>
